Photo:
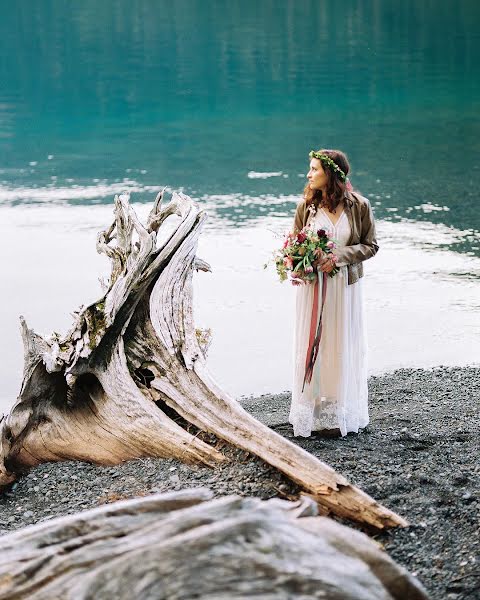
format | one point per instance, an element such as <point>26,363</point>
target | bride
<point>334,398</point>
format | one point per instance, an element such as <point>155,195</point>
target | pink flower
<point>308,269</point>
<point>288,262</point>
<point>331,244</point>
<point>296,280</point>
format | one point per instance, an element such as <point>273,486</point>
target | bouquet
<point>295,260</point>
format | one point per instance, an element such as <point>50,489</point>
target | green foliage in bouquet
<point>296,259</point>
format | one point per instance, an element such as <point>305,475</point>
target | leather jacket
<point>363,240</point>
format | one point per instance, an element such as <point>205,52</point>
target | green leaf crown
<point>326,160</point>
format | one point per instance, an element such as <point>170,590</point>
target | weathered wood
<point>102,392</point>
<point>185,545</point>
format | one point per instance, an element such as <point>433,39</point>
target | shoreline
<point>418,456</point>
<point>431,297</point>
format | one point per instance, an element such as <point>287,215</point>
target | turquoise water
<point>225,99</point>
<point>197,94</point>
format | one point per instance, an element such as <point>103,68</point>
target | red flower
<point>301,237</point>
<point>322,233</point>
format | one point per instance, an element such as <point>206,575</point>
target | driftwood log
<point>184,545</point>
<point>132,367</point>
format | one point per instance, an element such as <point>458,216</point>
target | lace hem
<point>325,415</point>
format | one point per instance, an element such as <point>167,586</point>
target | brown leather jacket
<point>363,240</point>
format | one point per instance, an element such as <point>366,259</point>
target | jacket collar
<point>349,199</point>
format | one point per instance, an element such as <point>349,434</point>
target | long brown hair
<point>335,187</point>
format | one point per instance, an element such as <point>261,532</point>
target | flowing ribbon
<point>314,340</point>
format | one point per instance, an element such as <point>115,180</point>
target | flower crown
<point>326,160</point>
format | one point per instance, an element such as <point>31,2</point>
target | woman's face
<point>317,178</point>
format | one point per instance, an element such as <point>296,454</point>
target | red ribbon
<point>314,339</point>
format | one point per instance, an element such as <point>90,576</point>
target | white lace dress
<point>337,396</point>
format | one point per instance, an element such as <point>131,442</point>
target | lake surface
<point>224,101</point>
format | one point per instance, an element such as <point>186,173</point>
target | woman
<point>334,398</point>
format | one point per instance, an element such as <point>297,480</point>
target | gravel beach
<point>419,456</point>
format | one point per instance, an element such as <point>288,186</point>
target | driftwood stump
<point>184,545</point>
<point>114,386</point>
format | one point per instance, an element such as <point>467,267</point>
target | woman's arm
<point>299,220</point>
<point>368,245</point>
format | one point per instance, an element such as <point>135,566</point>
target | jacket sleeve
<point>368,245</point>
<point>299,220</point>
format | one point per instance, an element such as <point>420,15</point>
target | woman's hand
<point>320,258</point>
<point>327,264</point>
